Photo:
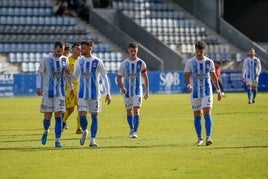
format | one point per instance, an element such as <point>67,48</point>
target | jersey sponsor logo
<point>200,75</point>
<point>132,75</point>
<point>87,74</point>
<point>57,73</point>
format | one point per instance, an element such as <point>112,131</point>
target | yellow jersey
<point>72,61</point>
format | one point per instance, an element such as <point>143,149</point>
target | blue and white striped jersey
<point>89,71</point>
<point>251,68</point>
<point>131,71</point>
<point>200,78</point>
<point>51,71</point>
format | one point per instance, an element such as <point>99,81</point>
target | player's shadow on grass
<point>49,148</point>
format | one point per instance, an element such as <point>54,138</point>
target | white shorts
<point>133,101</point>
<point>89,105</point>
<point>52,104</point>
<point>252,82</point>
<point>202,102</point>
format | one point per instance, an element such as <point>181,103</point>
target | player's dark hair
<point>133,45</point>
<point>87,42</point>
<point>200,45</point>
<point>66,46</point>
<point>60,44</point>
<point>75,44</point>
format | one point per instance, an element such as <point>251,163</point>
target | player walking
<point>131,72</point>
<point>52,73</point>
<point>89,68</point>
<point>198,73</point>
<point>72,102</point>
<point>250,73</point>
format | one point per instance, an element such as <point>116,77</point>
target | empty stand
<point>173,28</point>
<point>29,28</point>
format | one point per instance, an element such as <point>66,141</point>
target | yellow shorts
<point>71,102</point>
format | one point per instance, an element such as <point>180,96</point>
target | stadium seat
<point>113,66</point>
<point>32,57</point>
<point>113,56</point>
<point>24,67</point>
<point>107,65</point>
<point>25,57</point>
<point>36,64</point>
<point>119,56</point>
<point>12,57</point>
<point>31,67</point>
<point>2,67</point>
<point>19,57</point>
<point>38,57</point>
<point>107,56</point>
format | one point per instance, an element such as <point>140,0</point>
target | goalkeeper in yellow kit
<point>72,102</point>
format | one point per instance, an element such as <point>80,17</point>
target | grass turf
<point>165,147</point>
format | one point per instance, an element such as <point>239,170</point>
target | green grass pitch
<point>165,147</point>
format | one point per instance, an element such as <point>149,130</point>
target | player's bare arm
<point>39,91</point>
<point>187,81</point>
<point>108,99</point>
<point>146,82</point>
<point>120,84</point>
<point>216,84</point>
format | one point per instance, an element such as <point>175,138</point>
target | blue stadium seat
<point>4,11</point>
<point>35,20</point>
<point>42,12</point>
<point>31,67</point>
<point>3,20</point>
<point>35,11</point>
<point>113,66</point>
<point>53,20</point>
<point>96,48</point>
<point>119,56</point>
<point>36,64</point>
<point>25,57</point>
<point>22,20</point>
<point>10,20</point>
<point>48,11</point>
<point>113,56</point>
<point>48,21</point>
<point>2,48</point>
<point>71,21</point>
<point>12,57</point>
<point>29,11</point>
<point>38,57</point>
<point>107,65</point>
<point>107,47</point>
<point>32,57</point>
<point>19,57</point>
<point>24,67</point>
<point>39,47</point>
<point>41,20</point>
